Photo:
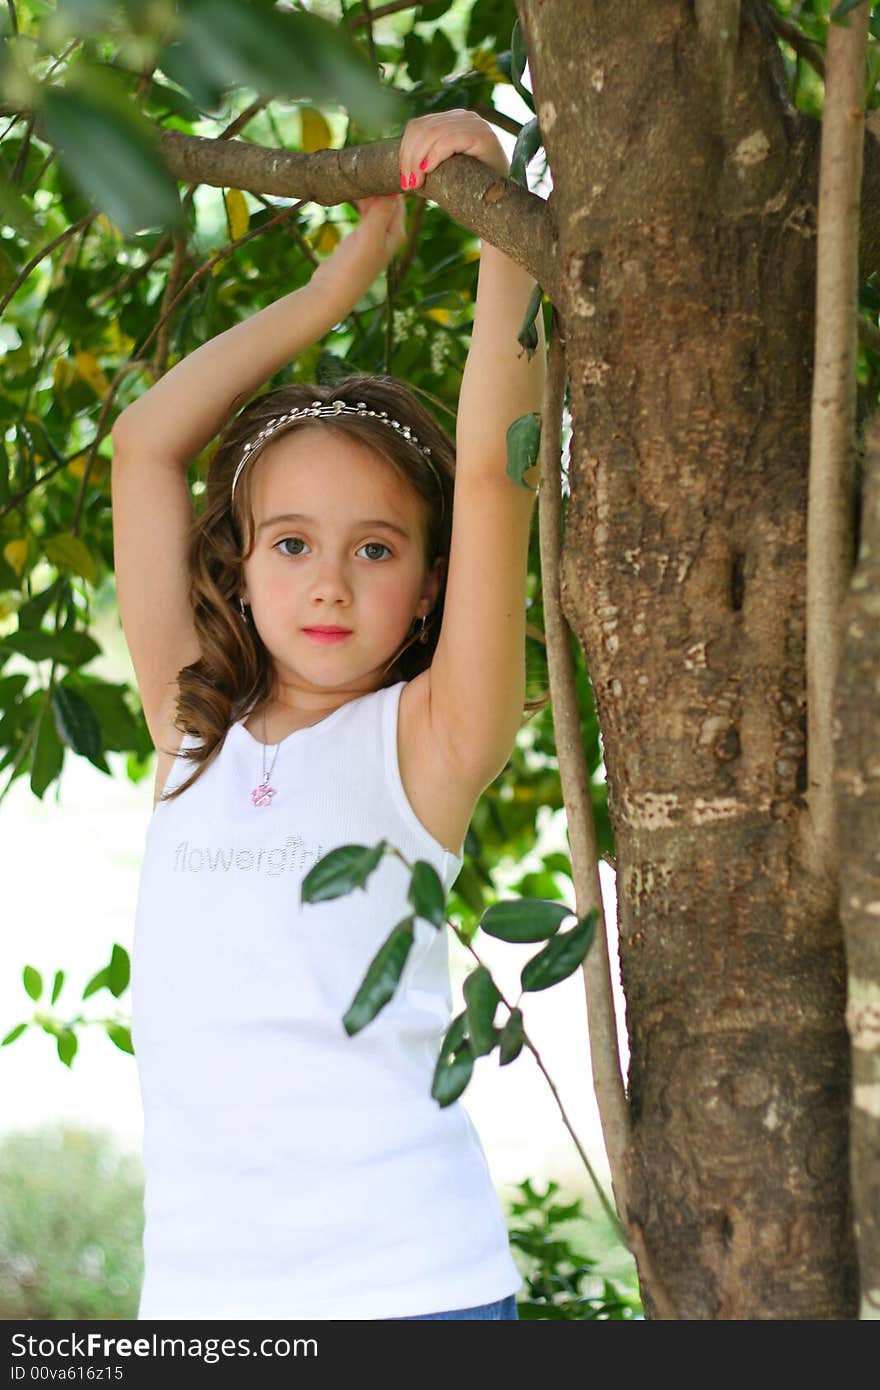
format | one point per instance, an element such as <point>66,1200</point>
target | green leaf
<point>48,754</point>
<point>33,982</point>
<point>524,919</point>
<point>426,893</point>
<point>528,333</point>
<point>518,59</point>
<point>512,1038</point>
<point>14,1033</point>
<point>455,1065</point>
<point>340,871</point>
<point>121,1036</point>
<point>70,553</point>
<point>482,999</point>
<point>67,648</point>
<point>110,152</point>
<point>249,43</point>
<point>523,444</point>
<point>118,971</point>
<point>528,142</point>
<point>67,1044</point>
<point>381,979</point>
<point>76,722</point>
<point>98,981</point>
<point>844,8</point>
<point>331,369</point>
<point>56,985</point>
<point>561,957</point>
<point>489,19</point>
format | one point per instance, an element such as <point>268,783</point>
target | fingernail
<point>412,180</point>
<point>424,164</point>
<point>403,180</point>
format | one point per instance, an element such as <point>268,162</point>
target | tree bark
<point>857,778</point>
<point>686,271</point>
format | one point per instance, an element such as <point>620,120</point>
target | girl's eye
<point>375,545</point>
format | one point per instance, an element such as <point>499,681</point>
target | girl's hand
<point>365,252</point>
<point>428,140</point>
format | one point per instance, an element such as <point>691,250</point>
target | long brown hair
<point>235,670</point>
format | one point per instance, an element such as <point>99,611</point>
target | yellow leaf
<point>15,554</point>
<point>324,238</point>
<point>439,315</point>
<point>70,553</point>
<point>238,215</point>
<point>89,369</point>
<point>107,227</point>
<point>484,60</point>
<point>63,373</point>
<point>117,342</point>
<point>98,472</point>
<point>315,134</point>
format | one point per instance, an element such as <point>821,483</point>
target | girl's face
<point>339,563</point>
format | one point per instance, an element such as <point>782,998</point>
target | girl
<point>339,638</point>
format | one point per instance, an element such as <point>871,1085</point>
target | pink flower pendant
<point>262,795</point>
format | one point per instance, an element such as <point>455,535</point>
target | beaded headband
<point>316,410</point>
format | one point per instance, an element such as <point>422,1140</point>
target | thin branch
<point>489,113</point>
<point>804,47</point>
<point>39,255</point>
<point>357,20</point>
<point>575,779</point>
<point>830,512</point>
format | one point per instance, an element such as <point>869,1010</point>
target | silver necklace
<point>262,795</point>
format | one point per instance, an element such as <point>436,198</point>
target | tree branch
<point>509,217</point>
<point>832,431</point>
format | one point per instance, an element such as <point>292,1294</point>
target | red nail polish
<point>424,164</point>
<point>403,180</point>
<point>412,180</point>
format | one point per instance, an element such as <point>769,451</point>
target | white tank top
<point>292,1171</point>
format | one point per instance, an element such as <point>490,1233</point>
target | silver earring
<point>241,606</point>
<point>423,636</point>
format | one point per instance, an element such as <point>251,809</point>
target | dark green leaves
<point>340,871</point>
<point>561,957</point>
<point>68,648</point>
<point>233,43</point>
<point>455,1063</point>
<point>518,64</point>
<point>528,333</point>
<point>109,150</point>
<point>426,893</point>
<point>528,142</point>
<point>482,999</point>
<point>381,978</point>
<point>524,919</point>
<point>76,722</point>
<point>843,9</point>
<point>512,1038</point>
<point>523,443</point>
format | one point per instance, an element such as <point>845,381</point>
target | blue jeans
<point>502,1310</point>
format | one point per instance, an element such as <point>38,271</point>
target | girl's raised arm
<point>156,438</point>
<point>477,675</point>
<point>178,416</point>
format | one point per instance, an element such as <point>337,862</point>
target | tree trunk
<point>684,200</point>
<point>857,775</point>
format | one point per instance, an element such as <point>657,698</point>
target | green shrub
<point>71,1223</point>
<point>562,1283</point>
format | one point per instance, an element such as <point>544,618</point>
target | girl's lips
<point>322,636</point>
